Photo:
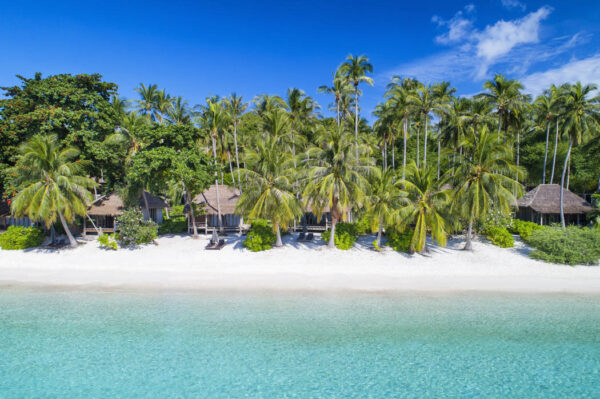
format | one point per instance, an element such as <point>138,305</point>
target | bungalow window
<point>153,214</point>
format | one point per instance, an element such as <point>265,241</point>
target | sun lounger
<point>216,246</point>
<point>301,237</point>
<point>309,237</point>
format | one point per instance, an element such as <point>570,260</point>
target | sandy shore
<point>183,263</point>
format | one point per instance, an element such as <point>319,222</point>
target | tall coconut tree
<point>503,94</point>
<point>235,107</point>
<point>129,134</point>
<point>562,92</point>
<point>336,178</point>
<point>162,105</point>
<point>52,184</point>
<point>399,96</point>
<point>545,107</point>
<point>179,113</point>
<point>147,101</point>
<point>582,115</point>
<point>355,69</point>
<point>339,88</point>
<point>427,204</point>
<point>299,107</point>
<point>269,192</point>
<point>483,180</point>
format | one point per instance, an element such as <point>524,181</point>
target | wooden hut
<point>542,205</point>
<point>7,219</point>
<point>105,210</point>
<point>228,198</point>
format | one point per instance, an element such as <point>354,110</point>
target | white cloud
<point>586,71</point>
<point>499,39</point>
<point>513,4</point>
<point>459,27</point>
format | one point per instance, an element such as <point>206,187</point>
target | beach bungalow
<point>542,206</point>
<point>104,211</point>
<point>7,219</point>
<point>208,222</point>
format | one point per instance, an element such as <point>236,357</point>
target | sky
<point>196,49</point>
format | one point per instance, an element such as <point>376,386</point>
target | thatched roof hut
<point>228,198</point>
<point>112,204</point>
<point>542,204</point>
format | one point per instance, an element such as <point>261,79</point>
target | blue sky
<point>195,48</point>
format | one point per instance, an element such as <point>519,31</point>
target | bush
<point>499,236</point>
<point>173,225</point>
<point>19,237</point>
<point>363,226</point>
<point>261,236</point>
<point>108,241</point>
<point>134,230</point>
<point>400,241</point>
<point>524,229</point>
<point>573,246</point>
<point>345,235</point>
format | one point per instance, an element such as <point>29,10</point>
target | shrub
<point>499,236</point>
<point>572,246</point>
<point>108,241</point>
<point>524,229</point>
<point>261,236</point>
<point>399,240</point>
<point>19,237</point>
<point>363,226</point>
<point>345,235</point>
<point>134,230</point>
<point>173,225</point>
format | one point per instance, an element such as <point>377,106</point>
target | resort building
<point>104,211</point>
<point>209,221</point>
<point>542,206</point>
<point>7,219</point>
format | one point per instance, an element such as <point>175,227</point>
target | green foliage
<point>376,246</point>
<point>400,240</point>
<point>108,241</point>
<point>363,226</point>
<point>175,224</point>
<point>18,237</point>
<point>594,215</point>
<point>261,236</point>
<point>499,236</point>
<point>524,229</point>
<point>572,246</point>
<point>345,235</point>
<point>134,230</point>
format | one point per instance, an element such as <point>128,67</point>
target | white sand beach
<point>181,262</point>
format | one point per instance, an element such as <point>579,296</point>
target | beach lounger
<point>301,237</point>
<point>216,246</point>
<point>309,237</point>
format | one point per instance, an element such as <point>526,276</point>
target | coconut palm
<point>398,94</point>
<point>427,203</point>
<point>505,95</point>
<point>355,70</point>
<point>147,100</point>
<point>546,107</point>
<point>121,106</point>
<point>162,106</point>
<point>179,112</point>
<point>336,178</point>
<point>129,134</point>
<point>50,183</point>
<point>425,101</point>
<point>383,200</point>
<point>581,116</point>
<point>299,106</point>
<point>269,192</point>
<point>266,103</point>
<point>338,89</point>
<point>235,107</point>
<point>483,180</point>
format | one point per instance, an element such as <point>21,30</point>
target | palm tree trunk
<point>554,156</point>
<point>72,241</point>
<point>562,184</point>
<point>384,153</point>
<point>394,154</point>
<point>237,158</point>
<point>219,221</point>
<point>278,242</point>
<point>356,120</point>
<point>439,151</point>
<point>293,144</point>
<point>499,124</point>
<point>146,203</point>
<point>331,243</point>
<point>468,244</point>
<point>379,231</point>
<point>425,145</point>
<point>568,174</point>
<point>518,149</point>
<point>189,203</point>
<point>230,168</point>
<point>418,149</point>
<point>337,103</point>
<point>546,153</point>
<point>404,149</point>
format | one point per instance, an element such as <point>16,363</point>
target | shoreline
<point>180,263</point>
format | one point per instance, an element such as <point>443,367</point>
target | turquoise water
<point>74,344</point>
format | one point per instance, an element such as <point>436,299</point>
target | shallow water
<point>57,344</point>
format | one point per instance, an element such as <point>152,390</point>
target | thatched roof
<point>112,204</point>
<point>228,198</point>
<point>545,198</point>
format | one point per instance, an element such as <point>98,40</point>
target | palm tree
<point>147,100</point>
<point>355,69</point>
<point>235,107</point>
<point>120,106</point>
<point>269,193</point>
<point>562,92</point>
<point>383,200</point>
<point>581,116</point>
<point>162,106</point>
<point>337,179</point>
<point>546,106</point>
<point>266,103</point>
<point>51,183</point>
<point>399,95</point>
<point>129,134</point>
<point>426,206</point>
<point>299,106</point>
<point>179,111</point>
<point>425,101</point>
<point>483,180</point>
<point>505,95</point>
<point>339,88</point>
